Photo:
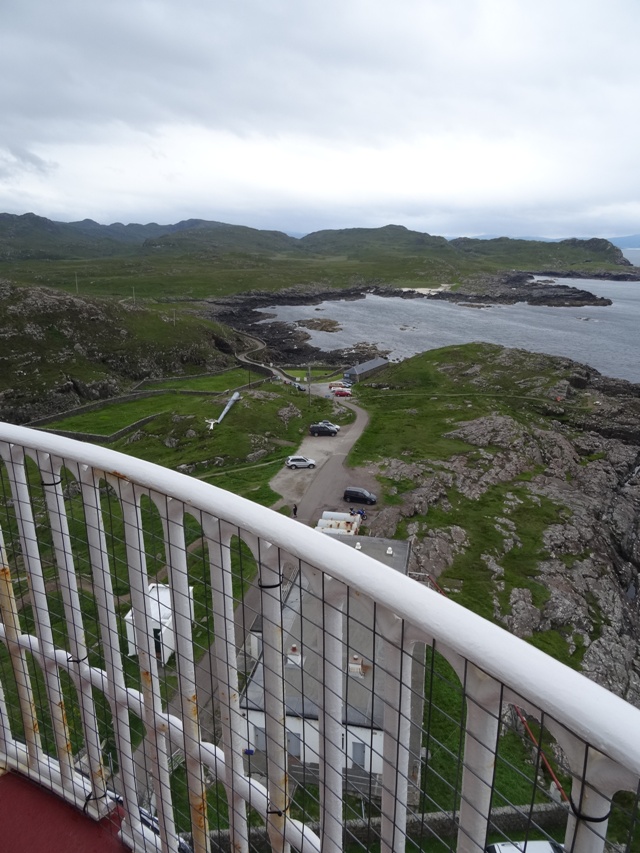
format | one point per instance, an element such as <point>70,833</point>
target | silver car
<point>300,462</point>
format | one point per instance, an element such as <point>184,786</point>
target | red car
<point>342,392</point>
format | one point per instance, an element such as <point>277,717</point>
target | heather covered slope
<point>59,350</point>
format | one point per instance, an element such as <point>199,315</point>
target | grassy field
<point>215,384</point>
<point>186,272</point>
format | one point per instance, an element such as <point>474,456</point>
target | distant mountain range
<point>32,237</point>
<point>630,242</point>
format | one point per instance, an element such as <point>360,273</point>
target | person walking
<point>294,511</point>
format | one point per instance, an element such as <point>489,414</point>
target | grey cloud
<point>562,79</point>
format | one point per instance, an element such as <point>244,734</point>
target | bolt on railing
<point>372,711</point>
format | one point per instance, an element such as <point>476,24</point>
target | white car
<point>300,462</point>
<point>330,425</point>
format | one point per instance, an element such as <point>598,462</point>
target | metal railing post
<point>480,745</point>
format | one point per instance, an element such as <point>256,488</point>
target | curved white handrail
<point>500,667</point>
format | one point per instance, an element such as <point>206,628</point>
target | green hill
<point>391,238</point>
<point>58,350</point>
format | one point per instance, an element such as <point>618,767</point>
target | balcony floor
<point>32,820</point>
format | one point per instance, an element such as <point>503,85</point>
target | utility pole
<point>76,282</point>
<point>309,382</point>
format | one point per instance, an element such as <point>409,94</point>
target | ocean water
<point>606,338</point>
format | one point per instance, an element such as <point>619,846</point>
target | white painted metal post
<point>173,515</point>
<point>481,740</point>
<point>157,750</point>
<point>596,778</point>
<point>40,606</point>
<point>18,657</point>
<point>115,684</point>
<point>275,714</point>
<point>396,676</point>
<point>332,754</point>
<point>51,469</point>
<point>218,536</point>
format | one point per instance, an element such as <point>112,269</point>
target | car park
<point>358,495</point>
<point>300,462</point>
<point>342,392</point>
<point>331,425</point>
<point>322,429</point>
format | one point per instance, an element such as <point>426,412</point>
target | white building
<point>363,673</point>
<point>159,622</point>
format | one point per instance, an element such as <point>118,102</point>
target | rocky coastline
<point>289,343</point>
<point>578,450</point>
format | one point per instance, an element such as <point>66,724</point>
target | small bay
<point>606,338</point>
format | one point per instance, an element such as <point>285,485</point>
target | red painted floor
<point>32,820</point>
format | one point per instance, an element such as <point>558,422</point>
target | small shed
<point>159,622</point>
<point>366,368</point>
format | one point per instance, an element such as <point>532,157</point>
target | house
<point>363,675</point>
<point>159,622</point>
<point>366,368</point>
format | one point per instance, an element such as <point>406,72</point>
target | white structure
<point>157,622</point>
<point>59,552</point>
<point>364,667</point>
<point>338,523</point>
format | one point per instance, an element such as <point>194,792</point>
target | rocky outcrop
<point>510,288</point>
<point>289,343</point>
<point>59,350</point>
<point>585,586</point>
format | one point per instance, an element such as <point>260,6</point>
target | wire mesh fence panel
<point>219,676</point>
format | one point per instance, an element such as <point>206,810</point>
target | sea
<point>605,338</point>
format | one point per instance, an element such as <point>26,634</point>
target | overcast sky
<point>455,117</point>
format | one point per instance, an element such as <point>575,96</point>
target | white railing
<point>366,708</point>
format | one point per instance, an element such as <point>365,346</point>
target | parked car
<point>339,383</point>
<point>300,462</point>
<point>322,429</point>
<point>363,496</point>
<point>525,847</point>
<point>298,386</point>
<point>331,425</point>
<point>342,392</point>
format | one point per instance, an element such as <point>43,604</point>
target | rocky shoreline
<point>579,451</point>
<point>289,343</point>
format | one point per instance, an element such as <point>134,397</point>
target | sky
<point>452,117</point>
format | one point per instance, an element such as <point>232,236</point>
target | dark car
<point>322,429</point>
<point>358,495</point>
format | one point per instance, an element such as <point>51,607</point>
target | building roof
<point>366,366</point>
<point>304,664</point>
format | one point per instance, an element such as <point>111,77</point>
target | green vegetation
<point>131,302</point>
<point>419,410</point>
<point>209,384</point>
<point>198,260</point>
<point>126,309</point>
